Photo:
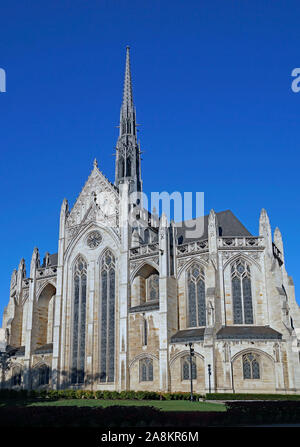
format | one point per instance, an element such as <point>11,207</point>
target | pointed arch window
<point>251,369</point>
<point>79,321</point>
<point>40,375</point>
<point>16,378</point>
<point>146,370</point>
<point>196,297</point>
<point>241,293</point>
<point>44,375</point>
<point>153,287</point>
<point>107,317</point>
<point>186,368</point>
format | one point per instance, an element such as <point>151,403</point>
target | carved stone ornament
<point>94,239</point>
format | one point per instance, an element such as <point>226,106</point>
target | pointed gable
<point>98,201</point>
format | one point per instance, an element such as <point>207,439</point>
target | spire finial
<point>95,163</point>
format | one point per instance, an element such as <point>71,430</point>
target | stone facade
<point>118,305</point>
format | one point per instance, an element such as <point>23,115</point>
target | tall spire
<point>127,92</point>
<point>128,161</point>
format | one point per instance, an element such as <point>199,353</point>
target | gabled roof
<point>229,225</point>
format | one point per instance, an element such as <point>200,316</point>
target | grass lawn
<point>166,405</point>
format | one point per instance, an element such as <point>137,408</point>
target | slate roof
<point>188,335</point>
<point>229,225</point>
<point>151,305</point>
<point>16,351</point>
<point>44,349</point>
<point>248,333</point>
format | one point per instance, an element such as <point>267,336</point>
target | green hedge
<point>244,396</point>
<point>88,394</point>
<point>136,395</point>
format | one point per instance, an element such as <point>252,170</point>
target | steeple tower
<point>128,160</point>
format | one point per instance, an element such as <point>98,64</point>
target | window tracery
<point>79,323</point>
<point>196,297</point>
<point>107,317</point>
<point>241,293</point>
<point>146,370</point>
<point>186,368</point>
<point>251,368</point>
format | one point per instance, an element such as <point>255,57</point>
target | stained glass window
<point>196,297</point>
<point>241,293</point>
<point>146,370</point>
<point>79,323</point>
<point>186,368</point>
<point>107,317</point>
<point>251,368</point>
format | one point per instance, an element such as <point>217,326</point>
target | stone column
<point>265,231</point>
<point>124,281</point>
<point>58,298</point>
<point>211,288</point>
<point>163,302</point>
<point>35,260</point>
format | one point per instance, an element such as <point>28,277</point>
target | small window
<point>44,375</point>
<point>146,370</point>
<point>186,369</point>
<point>16,379</point>
<point>145,333</point>
<point>251,369</point>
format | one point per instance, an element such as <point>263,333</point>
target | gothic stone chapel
<point>117,306</point>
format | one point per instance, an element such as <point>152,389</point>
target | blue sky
<point>212,87</point>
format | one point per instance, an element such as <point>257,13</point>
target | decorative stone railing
<point>192,247</point>
<point>240,242</point>
<point>144,250</point>
<point>41,272</point>
<point>46,271</point>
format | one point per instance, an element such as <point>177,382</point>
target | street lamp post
<point>209,374</point>
<point>191,369</point>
